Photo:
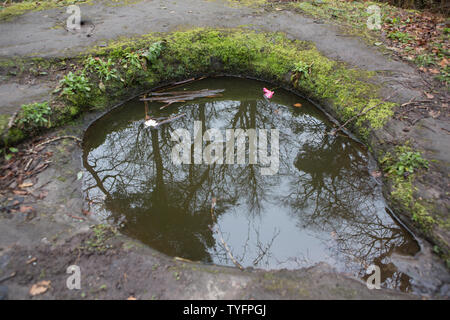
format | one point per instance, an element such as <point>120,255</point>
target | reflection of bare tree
<point>332,192</point>
<point>264,249</point>
<point>133,176</point>
<point>322,183</point>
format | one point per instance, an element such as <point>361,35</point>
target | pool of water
<point>321,204</point>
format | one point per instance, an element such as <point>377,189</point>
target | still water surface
<point>322,205</point>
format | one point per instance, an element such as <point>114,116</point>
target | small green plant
<point>436,249</point>
<point>424,60</point>
<point>132,60</point>
<point>76,88</point>
<point>104,69</point>
<point>98,240</point>
<point>302,68</point>
<point>8,155</point>
<point>400,36</point>
<point>444,76</point>
<point>396,21</point>
<point>153,52</point>
<point>90,64</point>
<point>408,162</point>
<point>34,115</point>
<point>133,63</point>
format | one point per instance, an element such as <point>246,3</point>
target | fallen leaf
<point>25,209</point>
<point>444,62</point>
<point>434,114</point>
<point>429,95</point>
<point>76,217</point>
<point>182,259</point>
<point>30,215</point>
<point>31,260</point>
<point>375,174</point>
<point>298,105</point>
<point>43,194</point>
<point>39,288</point>
<point>25,185</point>
<point>434,71</point>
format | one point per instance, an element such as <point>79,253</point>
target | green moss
<point>7,12</point>
<point>15,134</point>
<point>7,63</point>
<point>99,238</point>
<point>348,90</point>
<point>444,224</point>
<point>74,110</point>
<point>403,188</point>
<point>4,119</point>
<point>16,67</point>
<point>17,9</point>
<point>402,194</point>
<point>246,3</point>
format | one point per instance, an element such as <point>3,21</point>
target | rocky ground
<point>43,230</point>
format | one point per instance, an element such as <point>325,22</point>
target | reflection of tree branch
<point>219,233</point>
<point>264,251</point>
<point>324,188</point>
<point>94,175</point>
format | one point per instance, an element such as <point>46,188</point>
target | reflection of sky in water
<point>321,206</point>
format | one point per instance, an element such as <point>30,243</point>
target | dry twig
<point>181,96</point>
<point>363,112</point>
<point>54,139</point>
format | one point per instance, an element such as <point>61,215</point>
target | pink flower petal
<point>268,93</point>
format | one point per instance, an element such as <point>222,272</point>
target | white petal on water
<point>150,123</point>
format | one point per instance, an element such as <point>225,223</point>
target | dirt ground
<point>44,231</point>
